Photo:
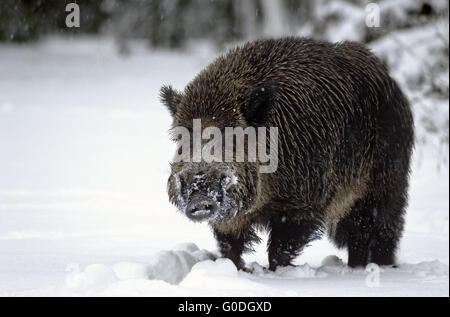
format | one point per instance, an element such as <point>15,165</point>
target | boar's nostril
<point>200,208</point>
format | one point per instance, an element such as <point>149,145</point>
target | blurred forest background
<point>173,23</point>
<point>412,37</point>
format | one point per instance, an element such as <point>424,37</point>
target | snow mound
<point>333,265</point>
<point>170,266</point>
<point>221,278</point>
<point>426,269</point>
<point>301,271</point>
<point>211,274</point>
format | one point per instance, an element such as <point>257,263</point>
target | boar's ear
<point>170,98</point>
<point>260,104</point>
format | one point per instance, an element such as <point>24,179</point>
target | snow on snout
<point>201,212</point>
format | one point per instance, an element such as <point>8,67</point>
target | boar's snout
<point>205,192</point>
<point>200,208</point>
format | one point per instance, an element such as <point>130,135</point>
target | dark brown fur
<point>345,142</point>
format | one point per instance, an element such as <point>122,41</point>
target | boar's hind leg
<point>372,230</point>
<point>288,237</point>
<point>232,246</point>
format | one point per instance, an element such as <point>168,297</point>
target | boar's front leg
<point>288,236</point>
<point>233,245</point>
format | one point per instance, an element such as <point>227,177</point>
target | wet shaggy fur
<point>345,142</point>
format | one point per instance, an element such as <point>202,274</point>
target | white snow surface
<point>83,204</point>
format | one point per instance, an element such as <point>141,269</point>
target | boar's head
<point>214,190</point>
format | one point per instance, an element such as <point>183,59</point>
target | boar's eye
<point>260,105</point>
<point>226,182</point>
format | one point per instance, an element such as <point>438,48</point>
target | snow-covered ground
<point>84,157</point>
